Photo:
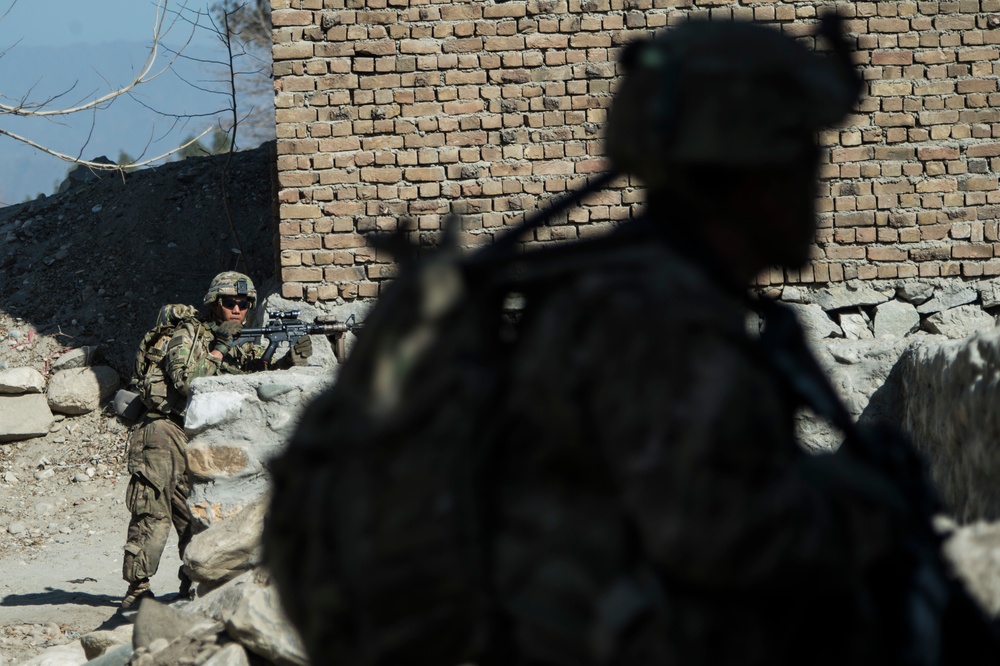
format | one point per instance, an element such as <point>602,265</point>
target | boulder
<point>915,291</point>
<point>949,295</point>
<point>211,410</point>
<point>950,390</point>
<point>97,643</point>
<point>155,620</point>
<point>849,295</point>
<point>231,655</point>
<point>260,625</point>
<point>81,390</point>
<point>228,548</point>
<point>71,654</point>
<point>974,550</point>
<point>220,603</point>
<point>859,370</point>
<point>815,322</point>
<point>24,417</point>
<point>214,460</point>
<point>117,655</point>
<point>15,381</point>
<point>80,357</point>
<point>894,319</point>
<point>960,322</point>
<point>855,326</point>
<point>793,294</point>
<point>989,293</point>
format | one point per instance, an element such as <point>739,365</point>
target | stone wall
<point>389,109</point>
<point>236,423</point>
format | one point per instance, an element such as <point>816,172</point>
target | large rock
<point>260,625</point>
<point>212,410</point>
<point>81,390</point>
<point>915,291</point>
<point>815,322</point>
<point>894,319</point>
<point>974,550</point>
<point>231,655</point>
<point>859,370</point>
<point>15,381</point>
<point>950,392</point>
<point>848,295</point>
<point>960,322</point>
<point>220,603</point>
<point>214,460</point>
<point>70,654</point>
<point>236,424</point>
<point>155,620</point>
<point>80,357</point>
<point>24,417</point>
<point>229,548</point>
<point>949,295</point>
<point>855,326</point>
<point>97,643</point>
<point>118,655</point>
<point>989,293</point>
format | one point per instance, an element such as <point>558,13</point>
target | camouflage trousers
<point>157,496</point>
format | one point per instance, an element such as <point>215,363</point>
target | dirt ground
<point>92,267</point>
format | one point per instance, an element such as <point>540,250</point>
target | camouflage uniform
<point>158,489</point>
<point>758,550</point>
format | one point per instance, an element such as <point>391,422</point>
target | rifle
<point>285,326</point>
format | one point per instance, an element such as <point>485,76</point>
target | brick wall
<point>388,109</point>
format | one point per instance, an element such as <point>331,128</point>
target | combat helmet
<point>231,283</point>
<point>725,93</point>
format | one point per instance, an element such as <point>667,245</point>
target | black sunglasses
<point>231,303</point>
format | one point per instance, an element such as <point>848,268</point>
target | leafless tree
<point>244,28</point>
<point>55,106</point>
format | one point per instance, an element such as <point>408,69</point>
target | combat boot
<point>186,591</point>
<point>136,592</point>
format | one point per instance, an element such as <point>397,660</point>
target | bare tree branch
<point>98,165</point>
<point>153,66</point>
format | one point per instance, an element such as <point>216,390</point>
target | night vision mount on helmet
<point>231,283</point>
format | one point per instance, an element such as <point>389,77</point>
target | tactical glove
<point>301,351</point>
<point>225,334</point>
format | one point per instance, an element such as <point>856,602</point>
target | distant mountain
<point>79,73</point>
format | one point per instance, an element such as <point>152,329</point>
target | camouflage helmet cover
<point>731,93</point>
<point>231,283</point>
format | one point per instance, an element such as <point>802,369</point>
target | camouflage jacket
<point>764,551</point>
<point>189,356</point>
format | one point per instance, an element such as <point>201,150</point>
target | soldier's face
<point>785,213</point>
<point>230,309</point>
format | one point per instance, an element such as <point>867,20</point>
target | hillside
<point>93,265</point>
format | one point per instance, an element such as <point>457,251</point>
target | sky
<point>82,48</point>
<point>65,22</point>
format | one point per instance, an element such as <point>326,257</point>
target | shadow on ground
<point>54,597</point>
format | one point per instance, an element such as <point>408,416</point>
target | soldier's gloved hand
<point>301,351</point>
<point>225,334</point>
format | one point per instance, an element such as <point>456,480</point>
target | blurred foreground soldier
<point>614,478</point>
<point>184,345</point>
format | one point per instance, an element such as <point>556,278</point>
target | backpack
<point>148,376</point>
<point>380,533</point>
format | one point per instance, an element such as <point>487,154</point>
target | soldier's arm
<point>247,357</point>
<point>188,357</point>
